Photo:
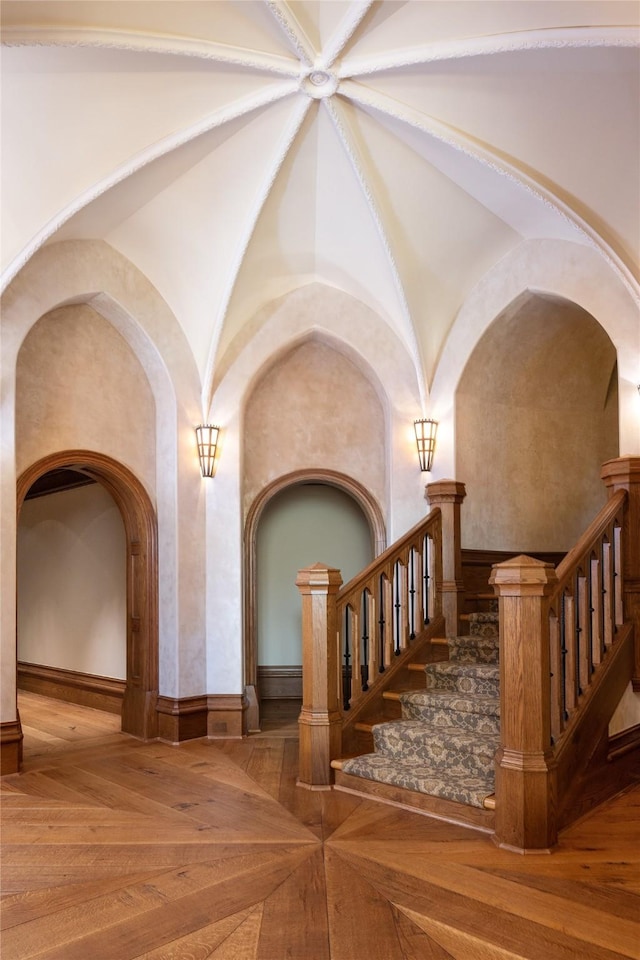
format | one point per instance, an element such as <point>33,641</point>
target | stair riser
<point>442,717</point>
<point>485,686</point>
<point>474,653</point>
<point>455,761</point>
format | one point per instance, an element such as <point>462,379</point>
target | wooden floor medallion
<point>114,849</point>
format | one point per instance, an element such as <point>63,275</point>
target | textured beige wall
<point>72,604</point>
<point>536,416</point>
<point>79,385</point>
<point>313,408</point>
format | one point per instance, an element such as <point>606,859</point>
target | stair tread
<point>379,760</point>
<point>420,729</point>
<point>420,777</point>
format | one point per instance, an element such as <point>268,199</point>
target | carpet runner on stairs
<point>446,741</point>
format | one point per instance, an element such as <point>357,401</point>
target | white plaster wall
<point>303,525</point>
<point>92,272</point>
<point>348,326</point>
<point>72,583</point>
<point>627,712</point>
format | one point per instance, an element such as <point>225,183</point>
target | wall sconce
<point>426,441</point>
<point>207,437</point>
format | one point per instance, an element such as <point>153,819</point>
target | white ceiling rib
<point>453,131</point>
<point>522,41</point>
<point>271,173</point>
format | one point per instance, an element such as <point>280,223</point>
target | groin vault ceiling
<point>396,150</point>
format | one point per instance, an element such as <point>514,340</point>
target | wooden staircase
<point>569,644</point>
<point>432,747</point>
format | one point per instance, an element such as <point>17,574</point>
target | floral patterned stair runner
<point>446,741</point>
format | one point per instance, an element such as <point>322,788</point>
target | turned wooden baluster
<point>525,766</point>
<point>320,721</point>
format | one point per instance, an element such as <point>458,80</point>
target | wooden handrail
<point>383,609</point>
<point>585,612</point>
<point>593,531</point>
<point>350,636</point>
<point>560,632</point>
<point>387,555</point>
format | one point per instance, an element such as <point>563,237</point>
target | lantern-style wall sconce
<point>207,437</point>
<point>426,441</point>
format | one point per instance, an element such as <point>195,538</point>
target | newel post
<point>623,473</point>
<point>320,721</point>
<point>525,765</point>
<point>448,495</point>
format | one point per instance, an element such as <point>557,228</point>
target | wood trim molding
<point>481,558</point>
<point>332,478</point>
<point>623,742</point>
<point>280,682</point>
<point>11,738</point>
<point>102,693</point>
<point>227,716</point>
<point>139,715</point>
<point>182,719</point>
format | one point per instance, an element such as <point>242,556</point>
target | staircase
<point>425,732</point>
<point>445,738</point>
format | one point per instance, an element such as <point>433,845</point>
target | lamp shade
<point>426,442</point>
<point>207,437</point>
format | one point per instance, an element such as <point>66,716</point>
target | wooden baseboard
<point>101,693</point>
<point>181,719</point>
<point>280,682</point>
<point>219,716</point>
<point>477,564</point>
<point>10,747</point>
<point>227,716</point>
<point>623,742</point>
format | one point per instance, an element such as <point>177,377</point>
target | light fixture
<point>207,437</point>
<point>426,441</point>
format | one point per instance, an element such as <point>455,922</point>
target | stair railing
<point>382,610</point>
<point>352,636</point>
<point>560,632</point>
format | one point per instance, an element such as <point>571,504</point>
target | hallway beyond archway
<point>139,717</point>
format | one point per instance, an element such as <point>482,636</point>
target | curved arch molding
<point>139,716</point>
<point>333,478</point>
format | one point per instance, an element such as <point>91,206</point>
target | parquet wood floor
<point>115,849</point>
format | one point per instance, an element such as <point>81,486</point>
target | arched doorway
<point>139,717</point>
<point>371,511</point>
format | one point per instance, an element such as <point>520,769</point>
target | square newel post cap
<point>622,471</point>
<point>523,576</point>
<point>445,491</point>
<point>319,578</point>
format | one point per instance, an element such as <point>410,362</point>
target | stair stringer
<point>587,774</point>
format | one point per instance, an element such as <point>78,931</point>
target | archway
<point>536,416</point>
<point>373,514</point>
<point>139,717</point>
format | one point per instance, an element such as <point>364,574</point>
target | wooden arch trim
<point>333,478</point>
<point>139,715</point>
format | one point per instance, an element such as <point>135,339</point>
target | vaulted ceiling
<point>396,150</point>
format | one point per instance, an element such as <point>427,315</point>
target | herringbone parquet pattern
<point>115,849</point>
